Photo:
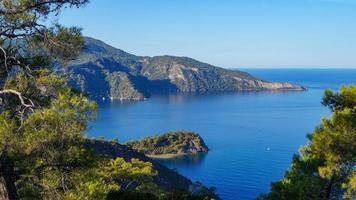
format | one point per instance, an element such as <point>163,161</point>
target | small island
<point>170,144</point>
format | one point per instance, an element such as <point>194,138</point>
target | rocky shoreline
<point>166,179</point>
<point>170,144</point>
<point>105,72</point>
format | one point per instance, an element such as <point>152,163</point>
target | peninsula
<point>105,72</point>
<point>170,144</point>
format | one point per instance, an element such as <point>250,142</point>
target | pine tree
<point>42,120</point>
<point>326,166</point>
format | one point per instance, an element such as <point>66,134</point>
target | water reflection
<point>184,160</point>
<point>238,127</point>
<point>182,98</point>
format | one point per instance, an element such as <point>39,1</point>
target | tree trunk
<point>7,180</point>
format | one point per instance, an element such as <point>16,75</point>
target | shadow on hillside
<point>149,87</point>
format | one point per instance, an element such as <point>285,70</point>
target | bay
<point>252,135</point>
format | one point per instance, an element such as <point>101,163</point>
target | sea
<point>252,136</point>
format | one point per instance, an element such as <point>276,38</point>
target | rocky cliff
<point>103,71</point>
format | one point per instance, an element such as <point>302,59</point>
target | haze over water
<point>252,135</point>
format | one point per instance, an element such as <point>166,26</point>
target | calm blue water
<point>252,135</point>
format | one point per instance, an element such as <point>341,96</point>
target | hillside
<point>171,143</point>
<point>166,179</point>
<point>103,71</point>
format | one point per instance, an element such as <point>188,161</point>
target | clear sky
<point>227,33</point>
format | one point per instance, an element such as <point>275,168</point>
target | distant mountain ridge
<point>103,71</point>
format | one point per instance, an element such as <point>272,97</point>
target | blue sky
<point>227,33</point>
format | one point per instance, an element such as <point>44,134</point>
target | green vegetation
<point>43,153</point>
<point>170,143</point>
<point>326,166</point>
<point>103,71</point>
<point>172,195</point>
<point>171,185</point>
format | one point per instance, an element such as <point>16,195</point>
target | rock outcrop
<point>103,71</point>
<point>171,143</point>
<point>166,178</point>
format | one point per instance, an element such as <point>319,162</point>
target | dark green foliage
<point>130,195</point>
<point>186,61</point>
<point>165,179</point>
<point>170,143</point>
<point>29,114</point>
<point>126,76</point>
<point>42,121</point>
<point>300,182</point>
<point>326,168</point>
<point>171,195</point>
<point>345,99</point>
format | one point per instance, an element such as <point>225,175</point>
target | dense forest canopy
<point>179,142</point>
<point>42,120</point>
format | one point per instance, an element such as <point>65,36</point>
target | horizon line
<point>293,67</point>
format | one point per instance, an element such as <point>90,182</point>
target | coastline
<point>166,156</point>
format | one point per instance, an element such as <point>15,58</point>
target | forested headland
<point>170,144</point>
<point>43,151</point>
